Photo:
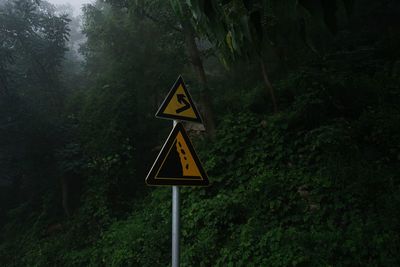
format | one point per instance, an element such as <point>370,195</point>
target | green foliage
<point>31,100</point>
<point>264,208</point>
<point>316,184</point>
<point>252,28</point>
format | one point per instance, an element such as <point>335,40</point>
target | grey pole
<point>175,226</point>
<point>175,223</point>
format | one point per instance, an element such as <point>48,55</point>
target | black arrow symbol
<point>183,101</point>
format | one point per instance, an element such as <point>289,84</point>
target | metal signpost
<point>176,227</point>
<point>177,163</point>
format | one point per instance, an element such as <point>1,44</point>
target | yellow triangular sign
<point>178,105</point>
<point>177,163</point>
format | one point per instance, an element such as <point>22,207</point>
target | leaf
<point>229,40</point>
<point>177,7</point>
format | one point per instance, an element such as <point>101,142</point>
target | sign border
<point>151,176</point>
<point>160,112</point>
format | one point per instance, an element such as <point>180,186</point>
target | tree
<point>129,62</point>
<point>176,20</point>
<point>254,29</point>
<point>182,12</point>
<point>31,98</point>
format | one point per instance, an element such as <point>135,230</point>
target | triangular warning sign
<point>178,105</point>
<point>177,163</point>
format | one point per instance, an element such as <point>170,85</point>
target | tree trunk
<point>195,59</point>
<point>3,84</point>
<point>66,196</point>
<point>268,85</point>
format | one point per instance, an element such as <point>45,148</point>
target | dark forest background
<point>302,143</point>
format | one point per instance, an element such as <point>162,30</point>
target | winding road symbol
<point>182,100</point>
<point>178,105</point>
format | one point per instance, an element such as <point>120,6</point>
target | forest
<point>300,101</point>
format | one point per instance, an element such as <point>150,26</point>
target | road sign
<point>178,105</point>
<point>177,163</point>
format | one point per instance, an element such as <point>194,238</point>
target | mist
<point>199,133</point>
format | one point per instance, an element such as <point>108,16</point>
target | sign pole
<point>175,222</point>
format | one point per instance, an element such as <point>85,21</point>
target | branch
<point>157,21</point>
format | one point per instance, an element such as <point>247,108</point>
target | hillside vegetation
<point>302,146</point>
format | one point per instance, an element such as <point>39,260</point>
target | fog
<point>288,110</point>
<point>77,4</point>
